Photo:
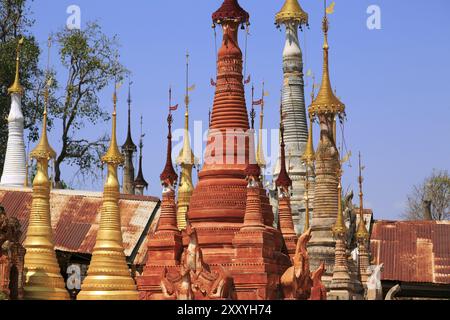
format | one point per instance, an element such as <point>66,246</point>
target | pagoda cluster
<point>228,237</point>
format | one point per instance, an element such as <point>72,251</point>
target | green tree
<point>90,58</point>
<point>14,23</point>
<point>433,194</point>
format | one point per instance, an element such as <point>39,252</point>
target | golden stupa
<point>109,277</point>
<point>43,280</point>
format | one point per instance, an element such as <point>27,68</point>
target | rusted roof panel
<point>76,216</point>
<point>412,251</point>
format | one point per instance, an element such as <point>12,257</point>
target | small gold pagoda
<point>43,280</point>
<point>109,277</point>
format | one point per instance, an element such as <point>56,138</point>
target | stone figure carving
<point>195,280</point>
<point>177,286</point>
<point>350,220</point>
<point>374,288</point>
<point>296,282</point>
<point>318,290</point>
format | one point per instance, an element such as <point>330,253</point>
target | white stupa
<point>14,170</point>
<point>293,103</point>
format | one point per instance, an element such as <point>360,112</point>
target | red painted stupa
<point>231,250</point>
<point>217,205</point>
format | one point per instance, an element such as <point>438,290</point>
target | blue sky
<point>394,81</point>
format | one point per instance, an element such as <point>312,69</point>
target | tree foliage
<point>90,58</point>
<point>435,189</point>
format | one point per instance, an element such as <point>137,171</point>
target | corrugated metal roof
<point>76,216</point>
<point>412,251</point>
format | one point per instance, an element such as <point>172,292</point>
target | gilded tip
<point>17,88</point>
<point>291,12</point>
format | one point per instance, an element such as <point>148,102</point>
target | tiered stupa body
<point>109,277</point>
<point>325,107</point>
<point>128,149</point>
<point>285,219</point>
<point>165,246</point>
<point>293,100</point>
<point>217,205</point>
<point>14,170</point>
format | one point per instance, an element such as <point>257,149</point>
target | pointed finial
<point>313,88</point>
<point>140,180</point>
<point>129,143</point>
<point>186,100</point>
<point>339,229</point>
<point>169,177</point>
<point>17,87</point>
<point>113,156</point>
<point>253,112</point>
<point>260,152</point>
<point>309,155</point>
<point>43,150</point>
<point>284,181</point>
<point>325,25</point>
<point>186,155</point>
<point>362,232</point>
<point>326,101</point>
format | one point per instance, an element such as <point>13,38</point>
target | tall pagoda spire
<point>168,177</point>
<point>165,246</point>
<point>284,185</point>
<point>187,161</point>
<point>260,150</point>
<point>43,280</point>
<point>220,195</point>
<point>362,235</point>
<point>139,183</point>
<point>292,16</point>
<point>109,277</point>
<point>341,286</point>
<point>129,149</point>
<point>325,108</point>
<point>14,170</point>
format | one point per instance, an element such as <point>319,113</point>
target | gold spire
<point>113,155</point>
<point>260,152</point>
<point>187,161</point>
<point>339,228</point>
<point>291,12</point>
<point>309,155</point>
<point>186,155</point>
<point>43,150</point>
<point>43,280</point>
<point>109,277</point>
<point>17,87</point>
<point>362,232</point>
<point>326,101</point>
